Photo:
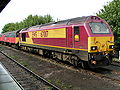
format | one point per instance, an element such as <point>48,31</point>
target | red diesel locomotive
<point>80,41</point>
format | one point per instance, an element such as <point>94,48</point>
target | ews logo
<point>40,34</point>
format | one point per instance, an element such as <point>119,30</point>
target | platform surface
<point>6,80</point>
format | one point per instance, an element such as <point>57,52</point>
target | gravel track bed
<point>27,81</point>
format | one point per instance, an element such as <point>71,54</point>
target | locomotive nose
<point>102,44</point>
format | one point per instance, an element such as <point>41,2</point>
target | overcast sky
<point>17,10</point>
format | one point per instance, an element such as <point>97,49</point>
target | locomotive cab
<point>100,42</point>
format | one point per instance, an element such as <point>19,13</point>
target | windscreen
<point>99,28</point>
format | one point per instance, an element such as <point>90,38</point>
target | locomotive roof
<point>77,20</point>
<point>73,21</point>
<point>67,22</point>
<point>16,31</point>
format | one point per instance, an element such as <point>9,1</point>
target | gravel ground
<point>24,78</point>
<point>67,78</point>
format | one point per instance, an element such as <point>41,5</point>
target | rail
<point>32,73</point>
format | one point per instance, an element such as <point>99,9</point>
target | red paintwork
<point>2,37</point>
<point>50,41</point>
<point>69,37</point>
<point>83,38</point>
<point>27,35</point>
<point>82,44</point>
<point>10,39</point>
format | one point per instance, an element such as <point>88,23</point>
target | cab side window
<point>77,33</point>
<point>24,37</point>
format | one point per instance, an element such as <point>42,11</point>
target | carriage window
<point>23,36</point>
<point>76,33</point>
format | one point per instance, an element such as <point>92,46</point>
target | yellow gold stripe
<point>54,33</point>
<point>60,47</point>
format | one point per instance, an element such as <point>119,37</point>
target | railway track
<point>25,77</point>
<point>110,73</point>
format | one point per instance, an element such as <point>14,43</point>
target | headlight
<point>111,47</point>
<point>94,48</point>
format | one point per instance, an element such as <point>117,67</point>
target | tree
<point>111,13</point>
<point>8,27</point>
<point>27,22</point>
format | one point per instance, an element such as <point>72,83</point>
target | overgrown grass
<point>24,63</point>
<point>14,57</point>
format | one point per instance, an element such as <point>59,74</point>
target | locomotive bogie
<point>100,59</point>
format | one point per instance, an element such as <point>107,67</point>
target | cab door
<point>69,38</point>
<point>73,37</point>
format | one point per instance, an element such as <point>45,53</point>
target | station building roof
<point>3,4</point>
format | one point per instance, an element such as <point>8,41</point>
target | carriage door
<point>76,37</point>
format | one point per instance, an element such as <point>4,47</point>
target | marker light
<point>94,48</point>
<point>111,47</point>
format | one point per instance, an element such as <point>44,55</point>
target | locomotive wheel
<point>47,53</point>
<point>53,55</point>
<point>75,63</point>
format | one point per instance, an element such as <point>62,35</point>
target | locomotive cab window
<point>76,33</point>
<point>99,28</point>
<point>23,36</point>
